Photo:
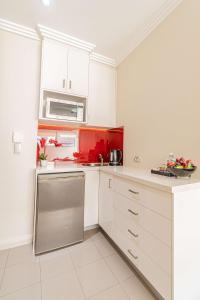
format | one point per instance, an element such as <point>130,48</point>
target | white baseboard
<point>19,241</point>
<point>27,239</point>
<point>91,227</point>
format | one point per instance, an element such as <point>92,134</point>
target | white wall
<point>159,91</point>
<point>19,95</point>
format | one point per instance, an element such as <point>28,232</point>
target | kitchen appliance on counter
<point>59,219</point>
<point>65,110</point>
<point>115,157</point>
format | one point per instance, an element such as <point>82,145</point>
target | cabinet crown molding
<point>18,29</point>
<point>47,32</point>
<point>103,59</point>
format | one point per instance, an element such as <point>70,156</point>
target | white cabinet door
<point>54,66</point>
<point>91,198</point>
<point>102,95</point>
<point>106,203</point>
<point>78,72</point>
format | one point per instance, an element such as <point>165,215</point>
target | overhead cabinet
<point>65,69</point>
<point>102,95</point>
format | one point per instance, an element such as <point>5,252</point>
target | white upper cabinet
<point>102,95</point>
<point>64,68</point>
<point>54,66</point>
<point>78,67</point>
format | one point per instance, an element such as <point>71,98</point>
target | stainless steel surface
<point>70,84</point>
<point>64,110</point>
<point>59,210</point>
<point>133,192</point>
<point>133,234</point>
<point>132,212</point>
<point>115,157</point>
<point>94,164</point>
<point>109,183</point>
<point>130,252</point>
<point>101,159</point>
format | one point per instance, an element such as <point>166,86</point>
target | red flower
<point>42,142</point>
<point>55,142</point>
<point>51,141</point>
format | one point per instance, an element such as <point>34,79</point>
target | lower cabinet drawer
<point>132,251</point>
<point>158,201</point>
<point>157,225</point>
<point>159,279</point>
<point>159,252</point>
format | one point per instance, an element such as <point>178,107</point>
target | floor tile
<point>97,235</point>
<point>31,293</point>
<point>53,265</point>
<point>85,254</point>
<point>22,254</point>
<point>19,276</point>
<point>115,293</point>
<point>3,258</point>
<point>96,277</point>
<point>62,287</point>
<point>104,247</point>
<point>89,234</point>
<point>136,290</point>
<point>118,266</point>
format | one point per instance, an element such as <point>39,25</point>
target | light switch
<point>17,139</point>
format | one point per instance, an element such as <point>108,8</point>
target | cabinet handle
<point>132,212</point>
<point>109,183</point>
<point>133,234</point>
<point>70,84</point>
<point>130,252</point>
<point>133,192</point>
<point>64,83</point>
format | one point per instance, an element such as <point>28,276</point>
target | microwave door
<point>62,110</point>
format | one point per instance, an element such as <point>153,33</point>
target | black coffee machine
<point>115,157</point>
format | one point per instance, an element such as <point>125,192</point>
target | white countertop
<point>167,184</point>
<point>64,167</point>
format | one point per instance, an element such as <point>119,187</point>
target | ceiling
<point>110,24</point>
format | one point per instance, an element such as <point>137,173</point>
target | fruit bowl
<point>182,172</point>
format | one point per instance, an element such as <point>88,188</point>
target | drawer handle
<point>132,212</point>
<point>130,252</point>
<point>133,192</point>
<point>64,82</point>
<point>133,234</point>
<point>109,183</point>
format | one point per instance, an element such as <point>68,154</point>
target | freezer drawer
<point>59,210</point>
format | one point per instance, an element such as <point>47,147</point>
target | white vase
<point>43,163</point>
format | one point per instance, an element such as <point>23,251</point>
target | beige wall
<point>159,91</point>
<point>19,94</point>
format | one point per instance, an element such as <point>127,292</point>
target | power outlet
<point>137,159</point>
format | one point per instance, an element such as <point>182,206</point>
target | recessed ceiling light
<point>46,2</point>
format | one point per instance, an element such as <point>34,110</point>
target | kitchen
<point>118,106</point>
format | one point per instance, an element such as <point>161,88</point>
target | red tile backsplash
<point>94,141</point>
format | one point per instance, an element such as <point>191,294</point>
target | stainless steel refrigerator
<point>59,210</point>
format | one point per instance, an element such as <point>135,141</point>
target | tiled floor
<point>92,270</point>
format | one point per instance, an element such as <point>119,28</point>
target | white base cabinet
<point>106,203</point>
<point>157,230</point>
<point>91,198</point>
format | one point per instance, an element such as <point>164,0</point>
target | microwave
<point>65,110</point>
